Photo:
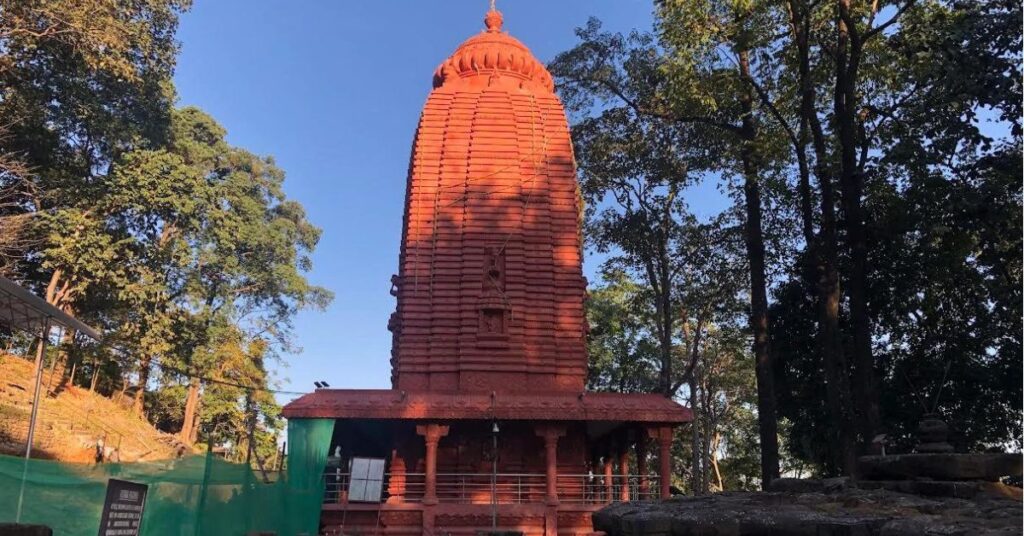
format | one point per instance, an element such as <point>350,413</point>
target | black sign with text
<point>122,510</point>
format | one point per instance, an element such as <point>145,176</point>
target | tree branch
<point>615,90</point>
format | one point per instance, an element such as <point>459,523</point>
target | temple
<point>488,423</point>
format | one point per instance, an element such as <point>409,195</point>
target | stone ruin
<point>932,491</point>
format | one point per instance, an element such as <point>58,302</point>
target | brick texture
<point>490,288</point>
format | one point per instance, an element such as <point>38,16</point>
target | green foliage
<point>623,352</point>
<point>141,219</point>
<point>81,82</point>
<point>919,146</point>
<point>668,315</point>
<point>943,203</point>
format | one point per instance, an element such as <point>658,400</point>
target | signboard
<point>122,509</point>
<point>367,479</point>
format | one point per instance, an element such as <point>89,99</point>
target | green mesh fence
<point>197,495</point>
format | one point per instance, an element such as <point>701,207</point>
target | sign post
<point>122,509</point>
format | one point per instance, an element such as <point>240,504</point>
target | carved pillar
<point>624,472</point>
<point>551,433</point>
<point>663,435</point>
<point>641,466</point>
<point>432,434</point>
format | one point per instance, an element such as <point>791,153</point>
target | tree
<point>139,217</point>
<point>81,82</point>
<point>694,87</point>
<point>874,145</point>
<point>923,164</point>
<point>220,244</point>
<point>624,355</point>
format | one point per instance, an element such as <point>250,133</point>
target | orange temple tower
<point>488,422</point>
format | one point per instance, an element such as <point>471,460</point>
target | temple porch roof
<point>434,405</point>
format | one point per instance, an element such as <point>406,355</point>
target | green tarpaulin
<point>196,495</point>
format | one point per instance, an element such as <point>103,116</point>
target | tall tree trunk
<point>193,435</point>
<point>823,253</point>
<point>124,387</point>
<point>139,405</point>
<point>696,451</point>
<point>95,375</point>
<point>63,355</point>
<point>659,276</point>
<point>707,432</point>
<point>250,427</point>
<point>665,343</point>
<point>188,423</point>
<point>764,369</point>
<point>848,53</point>
<point>714,462</point>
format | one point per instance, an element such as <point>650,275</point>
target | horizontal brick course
<point>492,169</point>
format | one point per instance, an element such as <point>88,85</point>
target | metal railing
<point>597,489</point>
<point>476,488</point>
<point>507,488</point>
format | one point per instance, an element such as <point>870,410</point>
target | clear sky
<point>333,90</point>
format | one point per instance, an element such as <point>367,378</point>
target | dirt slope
<point>73,421</point>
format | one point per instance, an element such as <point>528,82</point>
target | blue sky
<point>333,90</point>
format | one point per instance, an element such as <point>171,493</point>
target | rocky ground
<point>819,508</point>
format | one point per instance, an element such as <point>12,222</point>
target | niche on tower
<point>493,307</point>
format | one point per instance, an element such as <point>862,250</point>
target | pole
<point>494,476</point>
<point>40,352</point>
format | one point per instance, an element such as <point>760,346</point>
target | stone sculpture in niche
<point>493,302</point>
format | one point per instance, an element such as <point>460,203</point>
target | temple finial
<point>493,19</point>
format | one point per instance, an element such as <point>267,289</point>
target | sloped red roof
<point>424,405</point>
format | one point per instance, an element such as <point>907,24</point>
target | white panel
<point>376,469</point>
<point>367,480</point>
<point>373,490</point>
<point>360,468</point>
<point>357,490</point>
